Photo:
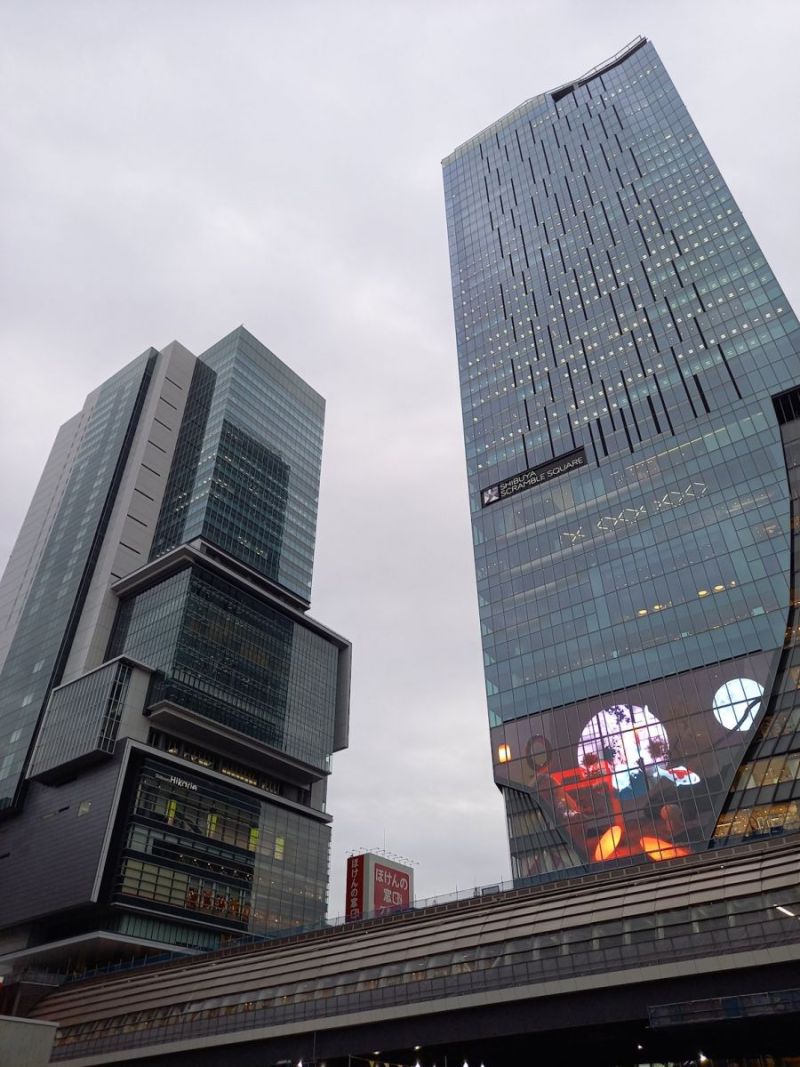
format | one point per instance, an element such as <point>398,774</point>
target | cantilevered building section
<point>629,375</point>
<point>168,710</point>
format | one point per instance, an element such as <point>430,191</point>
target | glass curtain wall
<point>620,338</point>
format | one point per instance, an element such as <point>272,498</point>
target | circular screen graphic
<point>628,739</point>
<point>737,703</point>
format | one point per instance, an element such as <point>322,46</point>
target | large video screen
<point>640,774</point>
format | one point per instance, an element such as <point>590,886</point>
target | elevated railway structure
<point>651,956</point>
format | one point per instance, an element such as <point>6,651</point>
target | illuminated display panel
<point>641,773</point>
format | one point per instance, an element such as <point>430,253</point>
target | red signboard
<point>391,889</point>
<point>355,887</point>
<point>376,886</point>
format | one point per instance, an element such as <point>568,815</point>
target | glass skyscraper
<point>629,378</point>
<point>168,709</point>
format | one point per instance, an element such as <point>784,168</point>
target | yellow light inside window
<point>702,592</point>
<point>503,753</point>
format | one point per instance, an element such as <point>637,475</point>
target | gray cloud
<point>174,170</point>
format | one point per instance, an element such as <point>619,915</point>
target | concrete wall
<point>25,1042</point>
<point>54,846</point>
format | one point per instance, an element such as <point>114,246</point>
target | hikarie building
<point>168,709</point>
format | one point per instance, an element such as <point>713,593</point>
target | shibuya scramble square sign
<point>533,476</point>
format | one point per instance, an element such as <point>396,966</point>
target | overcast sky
<point>173,169</point>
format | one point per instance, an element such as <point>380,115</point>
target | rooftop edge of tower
<point>633,46</point>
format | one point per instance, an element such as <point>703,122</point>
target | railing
<point>556,882</point>
<point>721,1009</point>
<point>324,925</point>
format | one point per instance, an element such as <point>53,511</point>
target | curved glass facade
<point>620,340</point>
<point>765,796</point>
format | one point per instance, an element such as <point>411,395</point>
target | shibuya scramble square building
<point>631,401</point>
